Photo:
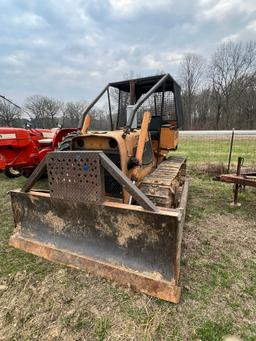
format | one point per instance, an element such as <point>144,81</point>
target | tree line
<point>218,93</point>
<point>45,112</point>
<point>41,112</point>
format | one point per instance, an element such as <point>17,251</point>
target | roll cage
<point>138,91</point>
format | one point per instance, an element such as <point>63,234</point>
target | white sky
<point>69,49</point>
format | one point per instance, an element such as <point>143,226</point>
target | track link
<point>164,185</point>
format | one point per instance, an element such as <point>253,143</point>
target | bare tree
<point>43,110</point>
<point>8,113</point>
<point>191,76</point>
<point>232,69</point>
<point>202,105</point>
<point>244,108</point>
<point>72,112</point>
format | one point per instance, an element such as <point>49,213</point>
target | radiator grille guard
<point>77,176</point>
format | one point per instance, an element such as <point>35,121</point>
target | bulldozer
<point>116,198</point>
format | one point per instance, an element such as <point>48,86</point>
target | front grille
<point>112,187</point>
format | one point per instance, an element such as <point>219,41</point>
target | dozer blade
<point>124,243</point>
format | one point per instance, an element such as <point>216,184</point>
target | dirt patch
<point>129,228</point>
<point>210,168</point>
<point>222,232</point>
<point>52,220</point>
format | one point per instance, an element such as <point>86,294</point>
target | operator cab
<point>159,95</point>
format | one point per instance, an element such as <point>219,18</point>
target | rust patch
<point>156,275</point>
<point>166,290</point>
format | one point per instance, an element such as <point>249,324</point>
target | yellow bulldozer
<point>117,197</point>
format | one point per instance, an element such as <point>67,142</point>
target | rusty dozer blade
<point>125,243</point>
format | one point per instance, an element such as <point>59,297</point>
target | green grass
<point>11,262</point>
<point>213,331</point>
<point>101,328</point>
<point>202,150</point>
<point>44,301</point>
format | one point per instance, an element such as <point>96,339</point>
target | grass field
<point>40,300</point>
<point>215,150</point>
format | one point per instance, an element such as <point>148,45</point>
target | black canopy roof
<point>143,85</point>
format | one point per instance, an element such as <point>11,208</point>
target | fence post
<point>231,149</point>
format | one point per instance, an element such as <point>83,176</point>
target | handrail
<point>142,100</point>
<point>91,105</point>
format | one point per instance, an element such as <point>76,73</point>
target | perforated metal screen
<point>154,105</point>
<point>77,176</point>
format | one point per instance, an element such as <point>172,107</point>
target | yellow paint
<point>169,138</point>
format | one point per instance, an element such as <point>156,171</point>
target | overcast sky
<point>69,49</point>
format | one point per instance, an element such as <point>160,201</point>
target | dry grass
<point>43,301</point>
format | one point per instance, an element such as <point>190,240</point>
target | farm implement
<point>21,150</point>
<point>239,180</point>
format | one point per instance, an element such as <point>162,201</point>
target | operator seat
<point>155,127</point>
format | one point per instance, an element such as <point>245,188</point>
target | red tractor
<point>22,149</point>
